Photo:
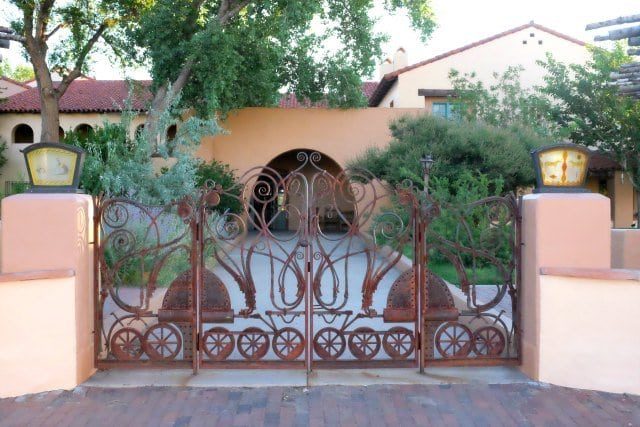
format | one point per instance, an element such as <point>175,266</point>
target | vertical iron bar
<point>421,281</point>
<point>196,262</point>
<point>420,286</point>
<point>518,262</point>
<point>97,312</point>
<point>308,291</point>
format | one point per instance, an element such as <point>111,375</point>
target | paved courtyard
<point>400,405</point>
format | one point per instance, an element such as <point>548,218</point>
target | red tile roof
<point>289,100</point>
<point>108,96</point>
<point>388,79</point>
<point>85,96</point>
<point>15,82</point>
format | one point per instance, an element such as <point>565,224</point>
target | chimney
<point>400,59</point>
<point>386,67</point>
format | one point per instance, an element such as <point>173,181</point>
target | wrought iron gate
<point>302,269</point>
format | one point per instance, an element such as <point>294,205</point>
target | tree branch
<point>52,32</point>
<point>233,11</point>
<point>42,19</point>
<point>77,70</point>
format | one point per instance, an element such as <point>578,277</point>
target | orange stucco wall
<point>625,248</point>
<point>558,230</point>
<point>37,329</point>
<point>52,232</point>
<point>257,135</point>
<point>587,327</point>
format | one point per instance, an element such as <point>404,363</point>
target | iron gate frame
<point>423,209</point>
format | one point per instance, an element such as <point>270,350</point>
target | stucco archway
<point>305,162</point>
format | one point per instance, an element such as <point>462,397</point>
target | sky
<point>460,22</point>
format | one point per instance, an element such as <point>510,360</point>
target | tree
<point>227,54</point>
<point>459,148</point>
<point>504,102</point>
<point>59,38</point>
<point>591,111</point>
<point>20,72</point>
<point>118,165</point>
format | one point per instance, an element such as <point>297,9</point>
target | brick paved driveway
<point>513,404</point>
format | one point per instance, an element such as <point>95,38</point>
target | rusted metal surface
<point>303,273</point>
<point>481,238</point>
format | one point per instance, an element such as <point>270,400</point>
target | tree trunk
<point>49,108</point>
<point>50,117</point>
<point>162,100</point>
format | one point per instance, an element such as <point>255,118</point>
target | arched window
<point>60,133</point>
<point>84,129</point>
<point>171,132</point>
<point>22,134</point>
<point>139,130</point>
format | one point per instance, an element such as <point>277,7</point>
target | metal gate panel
<point>307,269</point>
<point>145,306</point>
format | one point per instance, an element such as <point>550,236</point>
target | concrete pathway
<point>388,405</point>
<point>298,378</point>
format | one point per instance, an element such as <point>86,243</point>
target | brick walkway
<point>466,405</point>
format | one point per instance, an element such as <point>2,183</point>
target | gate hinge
<point>197,342</point>
<point>308,266</point>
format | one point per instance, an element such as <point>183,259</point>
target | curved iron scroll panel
<point>481,241</point>
<point>305,268</point>
<point>334,233</point>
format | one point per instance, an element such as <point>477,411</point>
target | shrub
<point>457,147</point>
<point>221,174</point>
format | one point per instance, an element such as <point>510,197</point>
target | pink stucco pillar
<point>558,230</point>
<point>53,232</point>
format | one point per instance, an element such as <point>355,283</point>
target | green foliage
<point>468,226</point>
<point>66,28</point>
<point>591,111</point>
<point>503,103</point>
<point>221,174</point>
<point>458,148</point>
<point>118,165</point>
<point>3,150</point>
<point>244,59</point>
<point>20,72</point>
<point>483,227</point>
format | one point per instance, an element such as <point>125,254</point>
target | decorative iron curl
<point>115,214</point>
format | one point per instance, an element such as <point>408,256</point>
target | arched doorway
<point>279,207</point>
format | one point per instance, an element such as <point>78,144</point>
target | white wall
<point>484,60</point>
<point>15,169</point>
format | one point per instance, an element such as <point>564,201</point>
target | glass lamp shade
<point>561,168</point>
<point>53,167</point>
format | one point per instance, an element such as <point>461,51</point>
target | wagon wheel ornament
<point>126,344</point>
<point>488,341</point>
<point>364,343</point>
<point>162,342</point>
<point>453,339</point>
<point>288,343</point>
<point>253,343</point>
<point>398,343</point>
<point>329,343</point>
<point>218,343</point>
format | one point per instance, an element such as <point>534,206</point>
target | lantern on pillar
<point>561,168</point>
<point>53,167</point>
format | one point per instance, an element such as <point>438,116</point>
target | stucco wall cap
<point>36,275</point>
<point>559,196</point>
<point>592,273</point>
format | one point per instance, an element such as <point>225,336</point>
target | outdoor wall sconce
<point>561,168</point>
<point>53,167</point>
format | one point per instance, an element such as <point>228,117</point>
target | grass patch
<point>481,276</point>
